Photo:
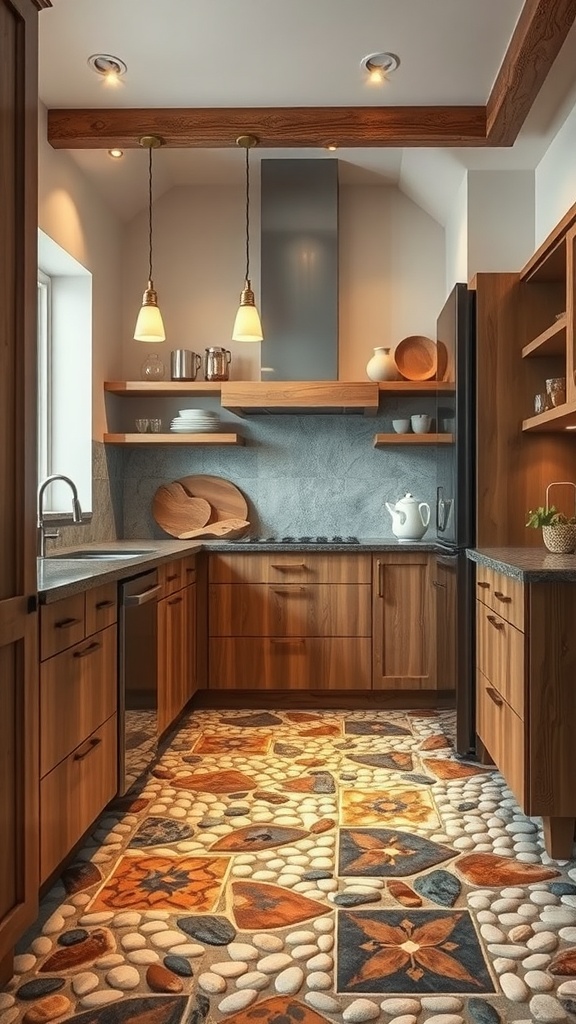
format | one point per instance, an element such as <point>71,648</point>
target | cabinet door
<point>189,678</point>
<point>171,658</point>
<point>18,643</point>
<point>571,317</point>
<point>403,623</point>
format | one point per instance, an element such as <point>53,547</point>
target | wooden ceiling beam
<point>536,41</point>
<point>275,127</point>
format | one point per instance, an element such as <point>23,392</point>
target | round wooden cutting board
<point>226,499</point>
<point>176,511</point>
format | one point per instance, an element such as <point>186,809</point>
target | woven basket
<point>560,538</point>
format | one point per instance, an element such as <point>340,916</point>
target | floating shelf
<point>162,388</point>
<point>416,387</point>
<point>174,438</point>
<point>382,440</point>
<point>300,396</point>
<point>553,420</point>
<point>552,342</point>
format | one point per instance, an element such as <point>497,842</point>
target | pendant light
<point>149,325</point>
<point>247,325</point>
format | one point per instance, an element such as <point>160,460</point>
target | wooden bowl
<point>416,357</point>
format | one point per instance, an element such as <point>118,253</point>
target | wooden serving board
<point>176,511</point>
<point>226,499</point>
<point>226,528</point>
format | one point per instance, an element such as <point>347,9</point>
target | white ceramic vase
<point>382,366</point>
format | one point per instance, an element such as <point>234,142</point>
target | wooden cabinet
<point>18,620</point>
<point>177,645</point>
<point>403,622</point>
<point>526,698</point>
<point>290,620</point>
<point>78,720</point>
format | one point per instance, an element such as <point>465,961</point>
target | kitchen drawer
<point>171,577</point>
<point>61,625</point>
<point>101,607</point>
<point>78,691</point>
<point>500,656</point>
<point>501,593</point>
<point>290,567</point>
<point>295,663</point>
<point>188,570</point>
<point>503,734</point>
<point>290,609</point>
<point>74,793</point>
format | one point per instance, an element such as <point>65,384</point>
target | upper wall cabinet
<point>548,290</point>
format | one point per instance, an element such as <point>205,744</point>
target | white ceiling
<point>278,53</point>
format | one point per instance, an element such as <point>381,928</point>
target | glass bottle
<point>153,368</point>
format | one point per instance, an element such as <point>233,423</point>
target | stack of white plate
<point>194,421</point>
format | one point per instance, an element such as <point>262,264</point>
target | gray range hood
<point>299,269</point>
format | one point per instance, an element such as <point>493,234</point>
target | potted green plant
<point>558,531</point>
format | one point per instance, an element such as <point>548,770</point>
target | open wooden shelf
<point>163,388</point>
<point>314,396</point>
<point>552,341</point>
<point>174,438</point>
<point>382,440</point>
<point>561,418</point>
<point>416,387</point>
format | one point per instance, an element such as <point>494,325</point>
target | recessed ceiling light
<point>331,146</point>
<point>110,68</point>
<point>380,65</point>
<point>116,153</point>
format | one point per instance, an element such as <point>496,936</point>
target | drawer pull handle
<point>92,746</point>
<point>502,597</point>
<point>494,696</point>
<point>190,569</point>
<point>294,591</point>
<point>379,567</point>
<point>287,640</point>
<point>104,604</point>
<point>494,622</point>
<point>91,649</point>
<point>288,566</point>
<point>67,623</point>
<point>174,576</point>
<point>438,585</point>
<point>175,600</point>
<point>485,586</point>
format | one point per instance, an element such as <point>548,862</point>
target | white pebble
<point>539,981</point>
<point>361,1010</point>
<point>514,988</point>
<point>84,983</point>
<point>274,962</point>
<point>229,968</point>
<point>211,983</point>
<point>242,951</point>
<point>124,978</point>
<point>319,980</point>
<point>322,1002</point>
<point>546,1009</point>
<point>290,981</point>
<point>96,999</point>
<point>143,957</point>
<point>268,943</point>
<point>442,1004</point>
<point>238,1000</point>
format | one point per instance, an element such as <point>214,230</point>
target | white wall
<point>500,220</point>
<point>556,179</point>
<point>72,213</point>
<point>457,238</point>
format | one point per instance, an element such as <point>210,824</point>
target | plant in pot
<point>558,532</point>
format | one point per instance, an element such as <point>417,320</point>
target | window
<point>64,375</point>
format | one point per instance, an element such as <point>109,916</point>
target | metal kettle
<point>216,362</point>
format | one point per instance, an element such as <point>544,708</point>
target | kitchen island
<point>525,680</point>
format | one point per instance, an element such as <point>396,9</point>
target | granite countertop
<point>60,577</point>
<point>532,565</point>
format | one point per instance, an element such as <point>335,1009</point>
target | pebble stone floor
<point>297,867</point>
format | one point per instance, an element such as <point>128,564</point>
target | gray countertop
<point>60,577</point>
<point>532,565</point>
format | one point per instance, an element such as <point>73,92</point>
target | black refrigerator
<point>456,512</point>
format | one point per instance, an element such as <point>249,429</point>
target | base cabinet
<point>78,719</point>
<point>403,622</point>
<point>286,621</point>
<point>177,640</point>
<point>526,698</point>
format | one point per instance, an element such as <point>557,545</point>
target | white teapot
<point>410,518</point>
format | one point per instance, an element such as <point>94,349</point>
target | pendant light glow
<point>149,324</point>
<point>247,326</point>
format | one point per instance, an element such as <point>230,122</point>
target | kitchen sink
<point>100,553</point>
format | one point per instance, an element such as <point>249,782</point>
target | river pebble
<point>238,1000</point>
<point>514,988</point>
<point>547,1009</point>
<point>361,1010</point>
<point>290,981</point>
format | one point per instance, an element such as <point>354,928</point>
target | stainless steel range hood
<point>299,269</point>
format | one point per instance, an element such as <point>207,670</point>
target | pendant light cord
<point>150,213</point>
<point>247,215</point>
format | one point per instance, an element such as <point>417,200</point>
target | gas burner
<point>300,540</point>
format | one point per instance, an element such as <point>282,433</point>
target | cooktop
<point>299,540</point>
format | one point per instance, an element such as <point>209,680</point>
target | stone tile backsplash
<point>107,497</point>
<point>301,474</point>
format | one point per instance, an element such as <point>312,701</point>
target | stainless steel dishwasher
<point>137,676</point>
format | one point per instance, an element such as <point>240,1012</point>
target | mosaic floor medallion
<point>305,867</point>
<point>410,951</point>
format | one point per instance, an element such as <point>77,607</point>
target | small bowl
<point>142,425</point>
<point>401,426</point>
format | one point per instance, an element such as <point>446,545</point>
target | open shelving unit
<point>383,440</point>
<point>552,341</point>
<point>163,388</point>
<point>175,438</point>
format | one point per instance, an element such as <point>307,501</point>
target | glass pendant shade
<point>149,325</point>
<point>247,326</point>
